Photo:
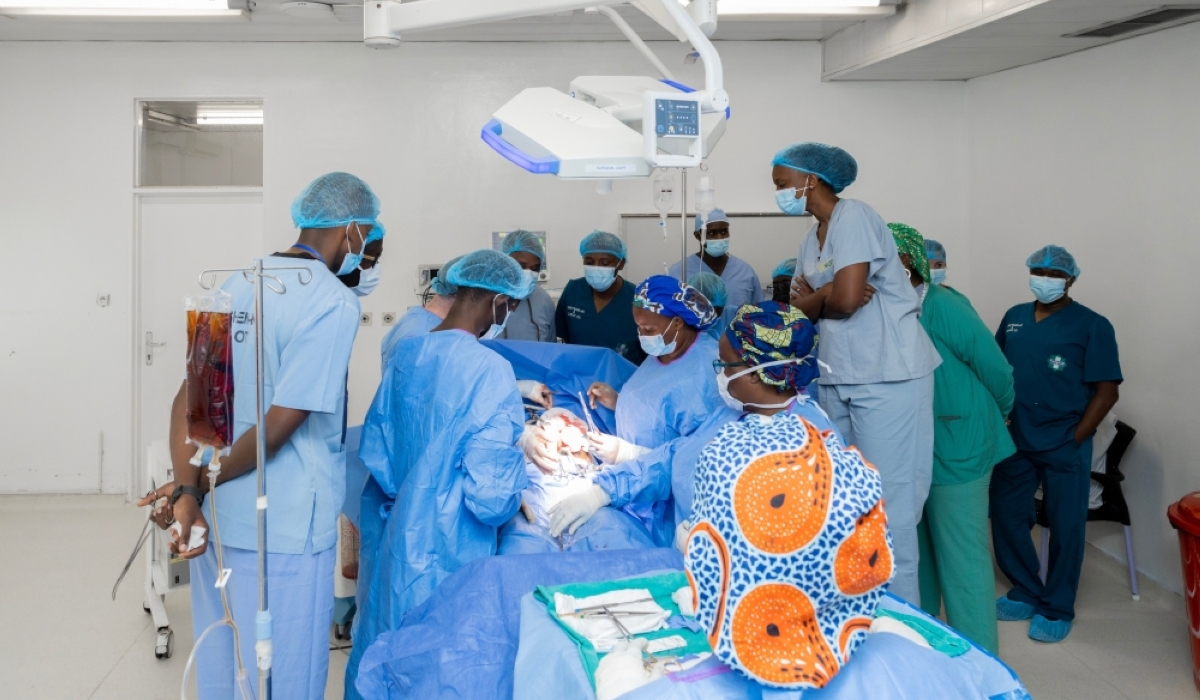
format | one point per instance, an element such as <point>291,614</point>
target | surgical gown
<point>415,321</point>
<point>440,439</point>
<point>657,406</point>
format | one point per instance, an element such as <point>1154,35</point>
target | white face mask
<point>723,386</point>
<point>368,280</point>
<point>497,328</point>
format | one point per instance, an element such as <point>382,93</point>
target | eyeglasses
<point>719,366</point>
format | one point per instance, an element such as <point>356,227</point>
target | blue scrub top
<point>882,341</point>
<point>307,338</point>
<point>578,323</point>
<point>1056,363</point>
<point>415,321</point>
<point>533,319</point>
<point>741,283</point>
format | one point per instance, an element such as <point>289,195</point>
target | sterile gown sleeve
<point>494,466</point>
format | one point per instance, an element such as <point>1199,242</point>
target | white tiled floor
<point>63,638</point>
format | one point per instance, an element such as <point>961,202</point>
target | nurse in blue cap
<point>876,361</point>
<point>741,283</point>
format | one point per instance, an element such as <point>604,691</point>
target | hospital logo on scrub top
<point>1056,363</point>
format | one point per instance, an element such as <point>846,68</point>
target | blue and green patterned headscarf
<point>667,296</point>
<point>770,331</point>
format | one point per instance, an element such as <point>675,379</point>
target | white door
<point>180,235</point>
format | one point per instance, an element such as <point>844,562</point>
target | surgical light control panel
<point>671,130</point>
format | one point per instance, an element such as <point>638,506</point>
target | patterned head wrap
<point>790,553</point>
<point>770,331</point>
<point>910,243</point>
<point>669,297</point>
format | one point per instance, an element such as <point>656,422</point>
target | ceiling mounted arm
<point>636,40</point>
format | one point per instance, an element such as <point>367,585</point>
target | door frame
<point>137,481</point>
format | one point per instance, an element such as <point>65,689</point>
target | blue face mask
<point>352,260</point>
<point>938,277</point>
<point>1047,289</point>
<point>600,278</point>
<point>791,205</point>
<point>530,276</point>
<point>368,280</point>
<point>717,248</point>
<point>497,328</point>
<point>655,346</point>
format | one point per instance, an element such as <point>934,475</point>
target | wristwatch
<point>182,490</point>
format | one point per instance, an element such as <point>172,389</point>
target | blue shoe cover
<point>1009,610</point>
<point>1049,631</point>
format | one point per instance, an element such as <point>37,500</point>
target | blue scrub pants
<point>891,423</point>
<point>300,598</point>
<point>1065,476</point>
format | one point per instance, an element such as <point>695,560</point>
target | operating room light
<point>123,9</point>
<point>226,115</point>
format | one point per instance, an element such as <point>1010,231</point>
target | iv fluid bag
<point>705,199</point>
<point>210,370</point>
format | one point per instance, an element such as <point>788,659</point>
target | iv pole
<point>683,232</point>
<point>262,620</point>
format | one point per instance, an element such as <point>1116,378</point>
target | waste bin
<point>1185,517</point>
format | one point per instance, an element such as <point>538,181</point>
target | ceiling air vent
<point>1141,22</point>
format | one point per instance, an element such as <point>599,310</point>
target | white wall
<point>408,122</point>
<point>1099,152</point>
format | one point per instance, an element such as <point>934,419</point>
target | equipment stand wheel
<point>164,646</point>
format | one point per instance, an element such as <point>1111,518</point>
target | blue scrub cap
<point>787,268</point>
<point>602,242</point>
<point>934,250</point>
<point>711,286</point>
<point>833,165</point>
<point>337,199</point>
<point>1054,257</point>
<point>440,285</point>
<point>713,217</point>
<point>493,271</point>
<point>522,241</point>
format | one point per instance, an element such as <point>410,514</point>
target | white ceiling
<point>268,23</point>
<point>1023,37</point>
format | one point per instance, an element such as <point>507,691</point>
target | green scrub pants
<point>956,565</point>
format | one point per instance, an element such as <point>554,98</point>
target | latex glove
<point>612,449</point>
<point>682,530</point>
<point>536,392</point>
<point>605,395</point>
<point>622,670</point>
<point>576,510</point>
<point>537,449</point>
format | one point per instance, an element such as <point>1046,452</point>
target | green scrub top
<point>578,322</point>
<point>1056,364</point>
<point>972,390</point>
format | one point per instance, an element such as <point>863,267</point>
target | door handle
<point>150,345</point>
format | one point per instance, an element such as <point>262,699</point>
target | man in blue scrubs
<point>597,309</point>
<point>307,336</point>
<point>1066,371</point>
<point>741,283</point>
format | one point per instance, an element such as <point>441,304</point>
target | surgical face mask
<point>723,386</point>
<point>938,277</point>
<point>497,328</point>
<point>717,248</point>
<point>600,278</point>
<point>788,202</point>
<point>1047,289</point>
<point>352,260</point>
<point>655,346</point>
<point>368,280</point>
<point>531,277</point>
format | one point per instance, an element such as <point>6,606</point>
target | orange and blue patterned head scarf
<point>770,331</point>
<point>790,552</point>
<point>667,296</point>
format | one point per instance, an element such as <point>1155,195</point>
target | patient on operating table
<point>529,531</point>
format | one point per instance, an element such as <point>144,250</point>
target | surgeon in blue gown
<point>672,394</point>
<point>421,319</point>
<point>440,440</point>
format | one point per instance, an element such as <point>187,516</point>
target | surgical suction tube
<point>636,40</point>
